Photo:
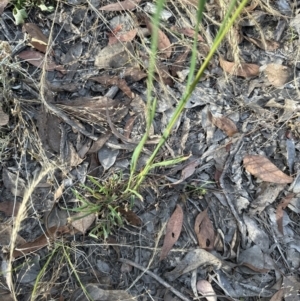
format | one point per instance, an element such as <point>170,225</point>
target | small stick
<point>157,278</point>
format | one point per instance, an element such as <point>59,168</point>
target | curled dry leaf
<point>122,37</point>
<point>187,171</point>
<point>39,243</point>
<point>244,70</point>
<point>36,59</point>
<point>261,167</point>
<point>114,81</point>
<point>278,75</point>
<point>280,209</point>
<point>4,118</point>
<point>173,231</point>
<point>278,296</point>
<point>267,45</point>
<point>130,216</point>
<point>121,5</point>
<point>163,44</point>
<point>187,32</point>
<point>36,37</point>
<point>204,231</point>
<point>82,222</point>
<point>224,124</point>
<point>206,289</point>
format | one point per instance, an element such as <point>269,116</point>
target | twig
<point>157,278</point>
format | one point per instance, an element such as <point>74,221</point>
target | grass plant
<point>229,19</point>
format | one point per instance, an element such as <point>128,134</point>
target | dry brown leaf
<point>187,171</point>
<point>278,75</point>
<point>245,70</point>
<point>173,231</point>
<point>261,167</point>
<point>36,37</point>
<point>121,5</point>
<point>3,4</point>
<point>114,81</point>
<point>278,295</point>
<point>41,242</point>
<point>122,37</point>
<point>36,59</point>
<point>130,216</point>
<point>206,289</point>
<point>163,44</point>
<point>204,231</point>
<point>82,221</point>
<point>179,63</point>
<point>134,74</point>
<point>187,32</point>
<point>10,208</point>
<point>224,124</point>
<point>265,45</point>
<point>4,118</point>
<point>280,209</point>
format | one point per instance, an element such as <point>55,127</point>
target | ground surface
<point>83,112</point>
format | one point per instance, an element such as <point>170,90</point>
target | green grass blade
<point>226,24</point>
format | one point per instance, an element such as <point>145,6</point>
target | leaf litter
<point>227,119</point>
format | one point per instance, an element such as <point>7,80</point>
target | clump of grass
<point>103,198</point>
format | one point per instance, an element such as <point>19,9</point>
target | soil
<point>221,224</point>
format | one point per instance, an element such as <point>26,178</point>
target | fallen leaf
<point>204,231</point>
<point>122,37</point>
<point>280,209</point>
<point>134,74</point>
<point>173,231</point>
<point>115,56</point>
<point>192,261</point>
<point>267,45</point>
<point>39,243</point>
<point>163,44</point>
<point>10,208</point>
<point>107,156</point>
<point>4,118</point>
<point>36,59</point>
<point>187,171</point>
<point>224,124</point>
<point>114,81</point>
<point>278,75</point>
<point>261,167</point>
<point>36,37</point>
<point>3,4</point>
<point>121,5</point>
<point>130,216</point>
<point>187,32</point>
<point>82,221</point>
<point>206,289</point>
<point>277,296</point>
<point>179,63</point>
<point>245,70</point>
